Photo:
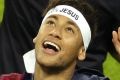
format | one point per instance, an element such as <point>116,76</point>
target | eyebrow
<point>72,23</point>
<point>53,16</point>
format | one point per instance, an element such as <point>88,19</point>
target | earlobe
<point>82,54</point>
<point>34,40</point>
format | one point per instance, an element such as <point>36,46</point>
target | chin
<point>49,62</point>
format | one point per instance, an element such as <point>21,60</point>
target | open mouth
<point>51,45</point>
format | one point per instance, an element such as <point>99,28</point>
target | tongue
<point>50,51</point>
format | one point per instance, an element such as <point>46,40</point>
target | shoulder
<point>11,76</point>
<point>87,74</point>
<point>16,76</point>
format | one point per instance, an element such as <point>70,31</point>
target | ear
<point>81,54</point>
<point>34,40</point>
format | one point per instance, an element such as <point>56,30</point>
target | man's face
<point>58,42</point>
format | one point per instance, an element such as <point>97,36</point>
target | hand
<point>116,40</point>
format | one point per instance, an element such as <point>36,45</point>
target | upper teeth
<point>53,44</point>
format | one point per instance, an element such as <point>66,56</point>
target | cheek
<point>38,40</point>
<point>72,45</point>
<point>72,42</point>
<point>42,29</point>
<point>69,56</point>
<point>41,33</point>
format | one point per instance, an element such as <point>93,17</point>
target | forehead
<point>58,16</point>
<point>63,18</point>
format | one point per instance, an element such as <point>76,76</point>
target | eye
<point>50,23</point>
<point>69,29</point>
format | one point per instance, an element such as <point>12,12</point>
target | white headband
<point>77,17</point>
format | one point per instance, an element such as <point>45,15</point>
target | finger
<point>119,33</point>
<point>115,38</point>
<point>115,41</point>
<point>114,35</point>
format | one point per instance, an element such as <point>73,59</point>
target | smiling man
<point>62,40</point>
<point>59,44</point>
<point>56,49</point>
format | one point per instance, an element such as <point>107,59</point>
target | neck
<point>45,73</point>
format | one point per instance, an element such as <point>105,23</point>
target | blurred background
<point>1,9</point>
<point>111,67</point>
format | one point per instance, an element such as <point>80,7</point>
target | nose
<point>56,34</point>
